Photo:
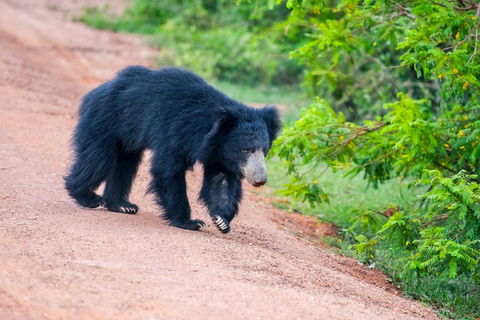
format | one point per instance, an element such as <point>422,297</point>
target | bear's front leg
<point>171,193</point>
<point>221,193</point>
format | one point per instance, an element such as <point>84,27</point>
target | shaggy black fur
<point>183,120</point>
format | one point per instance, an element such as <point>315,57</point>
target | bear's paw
<point>221,224</point>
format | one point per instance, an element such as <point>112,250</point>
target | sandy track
<point>59,261</point>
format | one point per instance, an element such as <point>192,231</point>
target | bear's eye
<point>249,150</point>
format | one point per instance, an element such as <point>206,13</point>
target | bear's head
<point>243,137</point>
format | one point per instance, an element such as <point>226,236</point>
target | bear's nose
<point>260,182</point>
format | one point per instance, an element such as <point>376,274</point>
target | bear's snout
<point>255,171</point>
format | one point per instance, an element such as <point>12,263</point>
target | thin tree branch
<point>446,168</point>
<point>379,212</point>
<point>471,32</point>
<point>361,132</point>
<point>472,6</point>
<point>403,12</point>
<point>472,57</point>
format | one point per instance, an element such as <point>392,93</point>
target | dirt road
<point>60,261</point>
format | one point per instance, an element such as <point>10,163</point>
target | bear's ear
<point>226,121</point>
<point>212,140</point>
<point>272,119</point>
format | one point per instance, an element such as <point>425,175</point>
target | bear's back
<point>171,106</point>
<point>168,90</point>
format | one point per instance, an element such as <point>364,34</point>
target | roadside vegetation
<point>382,125</point>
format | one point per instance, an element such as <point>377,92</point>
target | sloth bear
<point>182,119</point>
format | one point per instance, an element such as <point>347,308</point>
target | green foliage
<point>221,40</point>
<point>416,60</point>
<point>365,247</point>
<point>351,53</point>
<point>454,204</point>
<point>225,54</point>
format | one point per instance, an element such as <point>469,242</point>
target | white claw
<point>222,225</point>
<point>121,209</point>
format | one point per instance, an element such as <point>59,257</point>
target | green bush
<point>225,54</point>
<point>425,138</point>
<point>218,39</point>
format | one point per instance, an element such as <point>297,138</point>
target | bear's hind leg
<point>93,164</point>
<point>119,183</point>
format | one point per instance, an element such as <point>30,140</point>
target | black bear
<point>182,119</point>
